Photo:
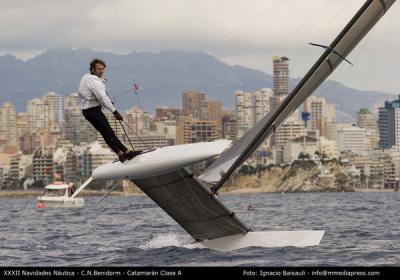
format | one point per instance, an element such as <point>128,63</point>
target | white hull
<point>268,239</point>
<point>161,161</point>
<point>61,203</point>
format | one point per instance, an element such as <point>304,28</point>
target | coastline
<point>374,190</point>
<point>35,193</point>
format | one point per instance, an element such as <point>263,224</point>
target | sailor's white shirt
<point>92,93</point>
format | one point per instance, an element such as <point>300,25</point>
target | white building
<point>250,108</point>
<point>329,148</point>
<point>37,114</point>
<point>138,121</point>
<point>76,128</point>
<point>352,138</point>
<point>244,112</point>
<point>261,103</point>
<point>302,144</point>
<point>22,125</point>
<point>321,114</point>
<point>94,156</point>
<point>147,142</point>
<point>21,166</point>
<point>54,103</point>
<point>367,120</point>
<point>45,112</point>
<point>8,123</point>
<point>71,102</point>
<point>167,129</point>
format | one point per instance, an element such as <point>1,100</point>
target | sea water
<point>362,229</point>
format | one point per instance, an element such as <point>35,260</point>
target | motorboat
<point>59,195</point>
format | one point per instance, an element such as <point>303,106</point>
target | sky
<point>242,32</point>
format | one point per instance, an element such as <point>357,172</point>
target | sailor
<point>93,96</point>
<point>71,188</point>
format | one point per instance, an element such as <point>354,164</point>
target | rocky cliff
<point>301,176</point>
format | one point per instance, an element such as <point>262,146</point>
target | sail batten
<point>361,23</point>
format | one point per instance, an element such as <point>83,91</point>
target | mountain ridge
<point>162,78</point>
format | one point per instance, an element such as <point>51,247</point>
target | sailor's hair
<point>94,62</point>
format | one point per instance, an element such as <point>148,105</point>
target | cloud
<point>246,32</point>
<point>155,24</point>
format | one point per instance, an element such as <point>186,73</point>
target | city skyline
<point>65,160</point>
<point>53,137</point>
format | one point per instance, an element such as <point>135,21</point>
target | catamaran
<point>193,201</point>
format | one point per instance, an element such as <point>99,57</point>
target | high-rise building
<point>250,108</point>
<point>281,75</point>
<point>45,112</point>
<point>367,120</point>
<point>76,128</point>
<point>389,124</point>
<point>281,85</point>
<point>283,134</point>
<point>321,114</point>
<point>211,111</point>
<point>166,128</point>
<point>147,142</point>
<point>138,121</point>
<point>193,131</point>
<point>43,166</point>
<point>302,144</point>
<point>22,125</point>
<point>37,114</point>
<point>71,167</point>
<point>8,123</point>
<point>328,148</point>
<point>94,156</point>
<point>71,102</point>
<point>352,138</point>
<point>261,103</point>
<point>286,132</point>
<point>165,113</point>
<point>192,103</point>
<point>54,103</point>
<point>244,112</point>
<point>229,126</point>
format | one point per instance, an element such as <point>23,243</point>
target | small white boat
<point>59,195</point>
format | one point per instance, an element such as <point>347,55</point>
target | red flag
<point>135,87</point>
<point>56,176</point>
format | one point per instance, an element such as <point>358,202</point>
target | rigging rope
<point>135,89</point>
<point>138,137</point>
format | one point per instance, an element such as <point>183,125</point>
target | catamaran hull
<point>268,239</point>
<point>161,161</point>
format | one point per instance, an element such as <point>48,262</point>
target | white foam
<point>170,239</point>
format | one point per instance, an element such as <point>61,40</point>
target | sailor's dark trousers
<point>97,118</point>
